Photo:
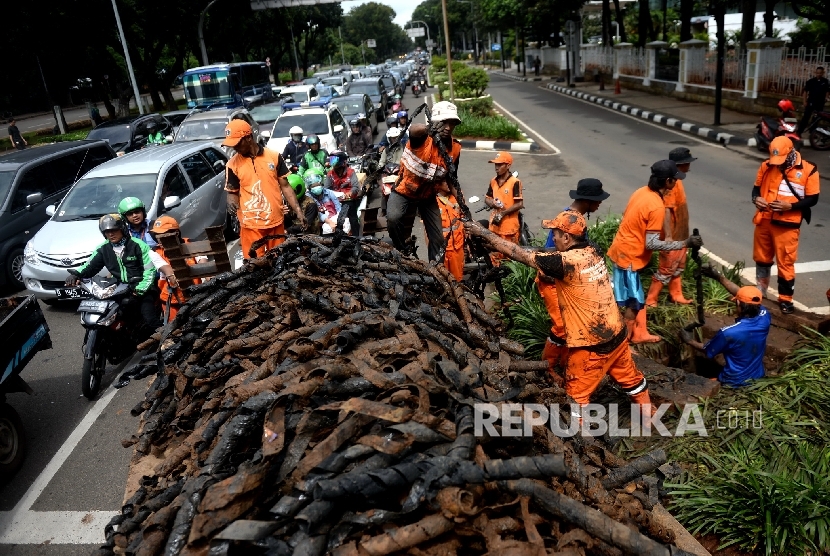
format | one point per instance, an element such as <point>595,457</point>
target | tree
<point>374,21</point>
<point>815,10</point>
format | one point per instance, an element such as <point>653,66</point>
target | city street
<point>61,507</point>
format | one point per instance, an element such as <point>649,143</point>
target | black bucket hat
<point>681,155</point>
<point>589,189</point>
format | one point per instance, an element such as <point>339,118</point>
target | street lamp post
<point>342,55</point>
<point>127,58</point>
<point>202,34</point>
<point>449,49</point>
<point>425,25</point>
<point>475,29</point>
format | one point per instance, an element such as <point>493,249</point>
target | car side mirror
<point>168,138</point>
<point>50,211</point>
<point>171,202</point>
<point>219,165</point>
<point>32,200</point>
<point>265,134</point>
<point>338,128</point>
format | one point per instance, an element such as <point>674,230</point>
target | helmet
<point>312,139</point>
<point>397,97</point>
<point>112,222</point>
<point>392,121</point>
<point>354,122</point>
<point>394,133</point>
<point>361,116</point>
<point>403,114</point>
<point>313,177</point>
<point>296,133</point>
<point>129,204</point>
<point>164,224</point>
<point>785,105</point>
<point>338,157</point>
<point>297,184</point>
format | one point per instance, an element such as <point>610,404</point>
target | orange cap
<point>235,131</point>
<point>568,221</point>
<point>503,158</point>
<point>779,149</point>
<point>749,294</point>
<point>164,224</point>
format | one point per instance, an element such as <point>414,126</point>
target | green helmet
<point>313,176</point>
<point>129,204</point>
<point>297,184</point>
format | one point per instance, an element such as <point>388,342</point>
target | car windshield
<point>208,87</point>
<point>266,112</point>
<point>311,123</point>
<point>94,197</point>
<point>325,91</point>
<point>366,88</point>
<point>6,179</point>
<point>298,96</point>
<point>333,80</point>
<point>349,106</point>
<point>311,81</point>
<point>387,82</point>
<point>199,130</point>
<point>175,119</point>
<point>114,134</point>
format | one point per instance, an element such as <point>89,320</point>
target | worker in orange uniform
<point>453,230</point>
<point>587,197</point>
<point>256,182</point>
<point>637,237</point>
<point>172,292</point>
<point>786,187</point>
<point>596,337</point>
<point>675,227</point>
<point>504,196</point>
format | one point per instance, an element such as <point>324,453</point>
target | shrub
<point>478,107</point>
<point>488,127</point>
<point>439,63</point>
<point>473,80</point>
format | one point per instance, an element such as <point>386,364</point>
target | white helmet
<point>296,133</point>
<point>443,111</point>
<point>393,133</point>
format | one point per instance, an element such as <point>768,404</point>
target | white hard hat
<point>393,133</point>
<point>443,111</point>
<point>295,130</point>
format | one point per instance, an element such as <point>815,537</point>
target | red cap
<point>235,131</point>
<point>749,294</point>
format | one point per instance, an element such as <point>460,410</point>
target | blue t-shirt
<point>743,345</point>
<point>144,234</point>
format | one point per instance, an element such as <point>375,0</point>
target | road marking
<point>527,127</point>
<point>18,523</point>
<point>800,268</point>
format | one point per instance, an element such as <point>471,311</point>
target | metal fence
<point>788,73</point>
<point>598,59</point>
<point>701,68</point>
<point>632,61</point>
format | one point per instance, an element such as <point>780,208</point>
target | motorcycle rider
<point>403,118</point>
<point>154,137</point>
<point>342,181</point>
<point>126,258</point>
<point>327,206</point>
<point>307,207</point>
<point>356,144</point>
<point>134,213</point>
<point>390,161</point>
<point>365,128</point>
<point>315,157</point>
<point>295,148</point>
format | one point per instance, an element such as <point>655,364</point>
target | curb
<point>668,121</point>
<point>518,78</point>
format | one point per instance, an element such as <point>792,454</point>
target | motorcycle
<point>786,125</point>
<point>819,131</point>
<point>108,335</point>
<point>389,176</point>
<point>416,89</point>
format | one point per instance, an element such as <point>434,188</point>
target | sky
<point>403,8</point>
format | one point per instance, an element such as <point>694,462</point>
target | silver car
<point>183,180</point>
<point>211,124</point>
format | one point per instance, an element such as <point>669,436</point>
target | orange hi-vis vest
<point>260,194</point>
<point>451,223</point>
<point>506,193</point>
<point>422,168</point>
<point>804,179</point>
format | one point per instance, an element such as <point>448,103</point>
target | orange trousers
<point>671,264</point>
<point>781,245</point>
<point>247,237</point>
<point>586,369</point>
<point>497,257</point>
<point>554,354</point>
<point>454,261</point>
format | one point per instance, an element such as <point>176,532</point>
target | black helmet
<point>392,121</point>
<point>112,222</point>
<point>354,122</point>
<point>338,157</point>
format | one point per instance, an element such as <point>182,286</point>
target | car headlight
<point>29,253</point>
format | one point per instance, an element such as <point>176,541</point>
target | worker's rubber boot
<point>653,292</point>
<point>676,291</point>
<point>555,356</point>
<point>647,409</point>
<point>641,334</point>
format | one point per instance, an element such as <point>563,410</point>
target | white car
<point>322,118</point>
<point>301,93</point>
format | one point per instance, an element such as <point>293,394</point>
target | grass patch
<point>492,126</point>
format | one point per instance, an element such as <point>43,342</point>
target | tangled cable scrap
<point>320,401</point>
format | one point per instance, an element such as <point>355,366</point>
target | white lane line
<point>527,127</point>
<point>800,268</point>
<point>59,528</point>
<point>19,519</point>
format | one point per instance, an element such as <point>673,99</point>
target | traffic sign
<point>371,43</point>
<point>495,47</point>
<point>429,44</point>
<point>414,32</point>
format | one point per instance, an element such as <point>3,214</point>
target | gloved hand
<point>686,336</point>
<point>71,280</point>
<point>694,241</point>
<point>710,271</point>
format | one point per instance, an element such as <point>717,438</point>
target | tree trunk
<point>747,22</point>
<point>620,22</point>
<point>169,99</point>
<point>769,16</point>
<point>643,23</point>
<point>686,9</point>
<point>158,105</point>
<point>606,23</point>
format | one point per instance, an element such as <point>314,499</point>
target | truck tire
<point>12,442</point>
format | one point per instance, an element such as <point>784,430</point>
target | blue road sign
<point>496,46</point>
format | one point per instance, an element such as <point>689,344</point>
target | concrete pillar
<point>619,49</point>
<point>562,58</point>
<point>763,61</point>
<point>692,59</point>
<point>652,50</point>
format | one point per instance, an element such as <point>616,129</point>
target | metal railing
<point>632,61</point>
<point>701,69</point>
<point>599,59</point>
<point>788,74</point>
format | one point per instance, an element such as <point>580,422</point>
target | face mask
<point>317,190</point>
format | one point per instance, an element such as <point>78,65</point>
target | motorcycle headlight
<point>29,253</point>
<point>103,293</point>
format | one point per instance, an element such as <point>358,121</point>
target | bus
<point>227,85</point>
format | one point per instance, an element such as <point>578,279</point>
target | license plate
<point>70,293</point>
<point>92,306</point>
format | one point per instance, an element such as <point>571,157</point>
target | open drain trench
<point>320,400</point>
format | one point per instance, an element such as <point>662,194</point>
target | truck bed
<point>24,331</point>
